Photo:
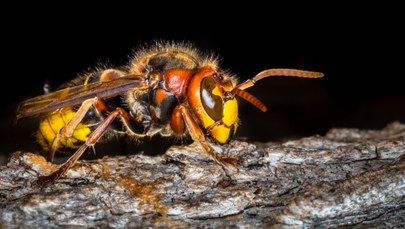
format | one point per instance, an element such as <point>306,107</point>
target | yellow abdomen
<point>51,125</point>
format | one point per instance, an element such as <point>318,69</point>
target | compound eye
<point>212,102</point>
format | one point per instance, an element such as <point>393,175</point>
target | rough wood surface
<point>347,177</point>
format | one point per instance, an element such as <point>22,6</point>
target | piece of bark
<point>347,177</point>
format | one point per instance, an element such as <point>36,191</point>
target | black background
<point>361,56</point>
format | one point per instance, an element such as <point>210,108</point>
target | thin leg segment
<point>198,135</point>
<point>67,131</point>
<point>90,141</point>
<point>104,111</point>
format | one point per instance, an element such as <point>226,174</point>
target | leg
<point>137,126</point>
<point>67,131</point>
<point>90,141</point>
<point>197,135</point>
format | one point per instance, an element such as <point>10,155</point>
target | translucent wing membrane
<point>76,95</point>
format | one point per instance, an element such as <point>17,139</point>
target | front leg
<point>198,135</point>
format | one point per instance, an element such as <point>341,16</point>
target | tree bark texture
<point>348,177</point>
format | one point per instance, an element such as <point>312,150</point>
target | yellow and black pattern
<point>51,125</point>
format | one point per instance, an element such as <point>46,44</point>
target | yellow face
<point>209,96</point>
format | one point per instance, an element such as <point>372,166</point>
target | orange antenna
<point>239,89</point>
<point>279,72</point>
<point>250,98</point>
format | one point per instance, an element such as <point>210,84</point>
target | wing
<point>71,96</point>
